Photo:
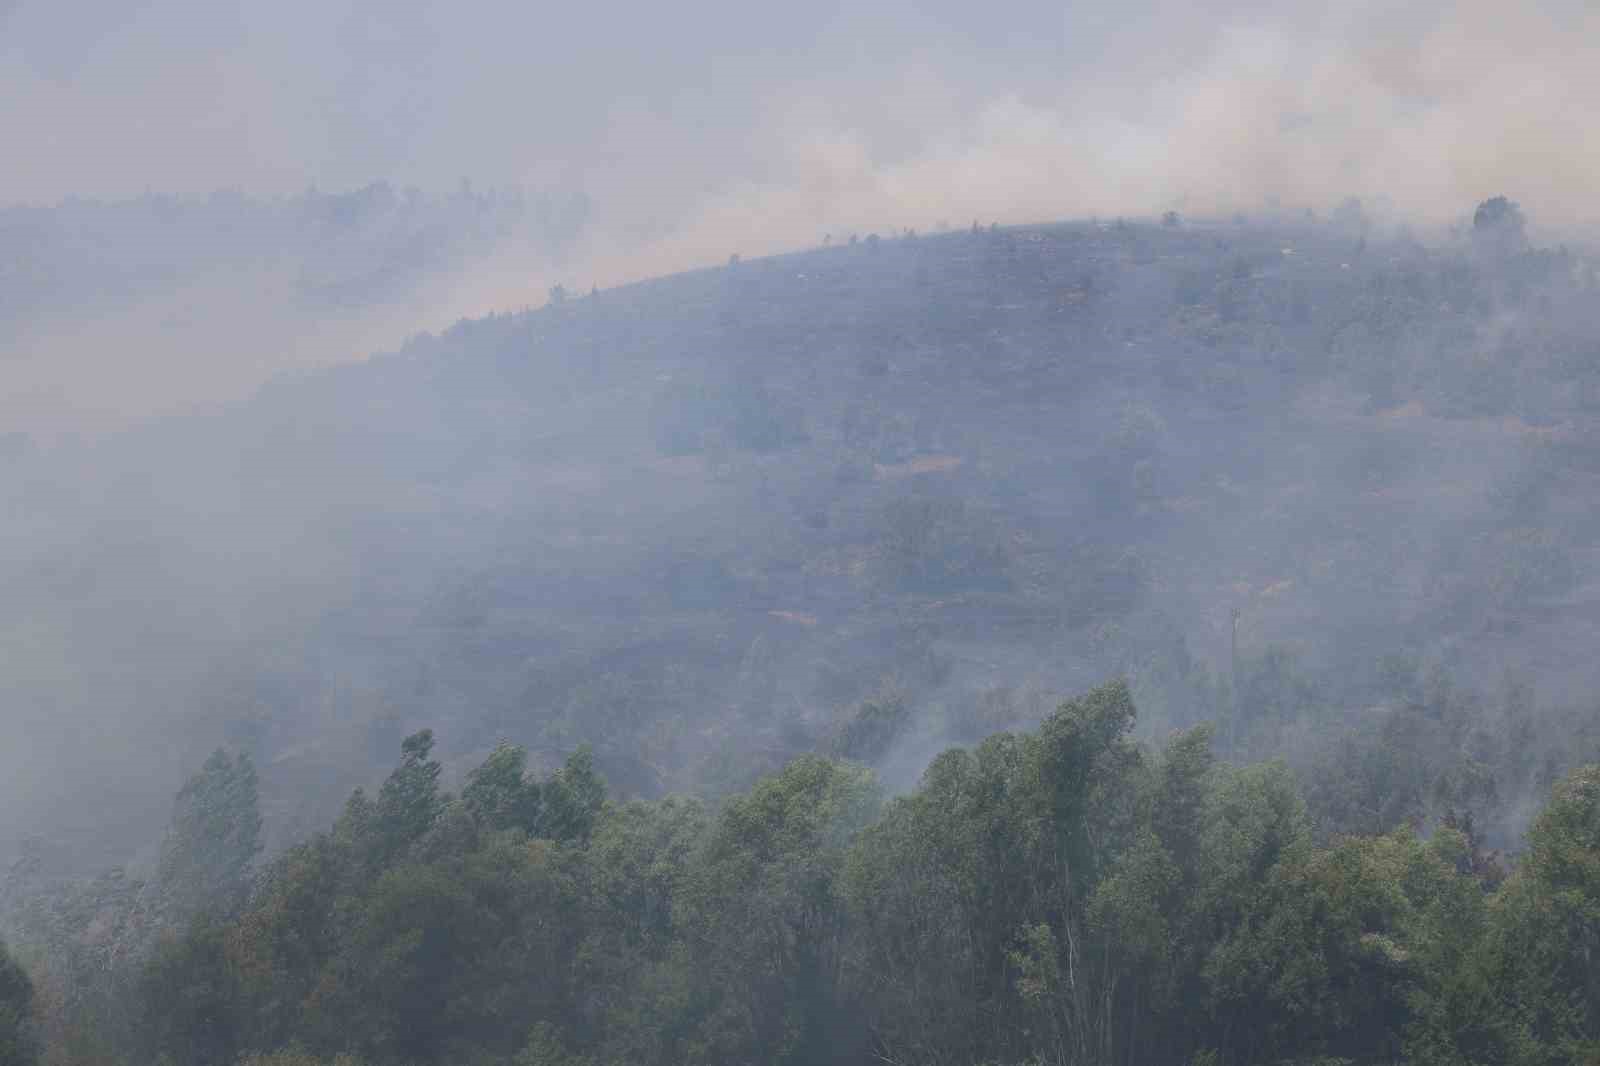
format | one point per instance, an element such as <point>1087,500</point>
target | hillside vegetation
<point>1064,895</point>
<point>775,535</point>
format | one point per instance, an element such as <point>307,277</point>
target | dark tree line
<point>1066,895</point>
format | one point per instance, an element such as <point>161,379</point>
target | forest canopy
<point>1066,895</point>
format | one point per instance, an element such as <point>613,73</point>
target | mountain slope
<point>869,498</point>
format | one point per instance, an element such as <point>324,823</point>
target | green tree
<point>1545,929</point>
<point>456,957</point>
<point>409,801</point>
<point>762,917</point>
<point>17,1044</point>
<point>1341,952</point>
<point>1146,908</point>
<point>188,999</point>
<point>973,892</point>
<point>637,975</point>
<point>291,931</point>
<point>1458,1017</point>
<point>500,794</point>
<point>573,798</point>
<point>214,837</point>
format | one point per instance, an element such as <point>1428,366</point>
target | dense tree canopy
<point>1066,895</point>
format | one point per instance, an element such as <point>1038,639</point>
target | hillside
<point>868,499</point>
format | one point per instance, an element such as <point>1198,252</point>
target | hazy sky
<point>840,109</point>
<point>707,126</point>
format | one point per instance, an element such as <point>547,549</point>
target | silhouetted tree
<point>1498,224</point>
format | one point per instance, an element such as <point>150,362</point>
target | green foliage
<point>573,798</point>
<point>761,912</point>
<point>1546,929</point>
<point>189,1000</point>
<point>1065,895</point>
<point>419,929</point>
<point>409,801</point>
<point>498,793</point>
<point>214,836</point>
<point>994,843</point>
<point>872,727</point>
<point>1319,963</point>
<point>17,1042</point>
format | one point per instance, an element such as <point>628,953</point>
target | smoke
<point>1420,113</point>
<point>690,132</point>
<point>1426,111</point>
<point>709,128</point>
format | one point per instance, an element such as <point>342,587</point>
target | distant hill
<point>870,499</point>
<point>114,310</point>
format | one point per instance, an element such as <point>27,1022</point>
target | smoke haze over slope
<point>711,127</point>
<point>706,522</point>
<point>187,583</point>
<point>670,116</point>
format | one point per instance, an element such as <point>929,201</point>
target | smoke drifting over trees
<point>949,535</point>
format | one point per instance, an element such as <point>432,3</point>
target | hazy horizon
<point>714,128</point>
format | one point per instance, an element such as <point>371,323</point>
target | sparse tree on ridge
<point>1499,225</point>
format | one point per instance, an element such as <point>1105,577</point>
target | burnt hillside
<point>868,499</point>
